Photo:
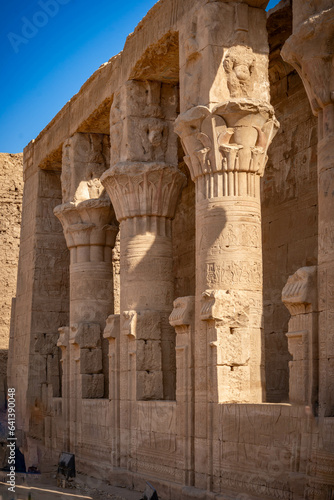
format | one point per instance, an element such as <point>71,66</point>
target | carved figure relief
<point>233,235</point>
<point>91,152</point>
<point>241,273</point>
<point>239,65</point>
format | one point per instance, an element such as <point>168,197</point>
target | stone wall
<point>289,202</point>
<point>184,240</point>
<point>11,189</point>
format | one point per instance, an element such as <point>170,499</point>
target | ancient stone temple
<point>174,315</point>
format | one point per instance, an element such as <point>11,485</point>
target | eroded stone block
<point>92,386</point>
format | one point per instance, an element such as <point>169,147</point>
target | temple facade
<point>173,320</point>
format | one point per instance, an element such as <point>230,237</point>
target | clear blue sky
<point>48,50</point>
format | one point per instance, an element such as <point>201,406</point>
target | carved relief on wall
<point>141,118</point>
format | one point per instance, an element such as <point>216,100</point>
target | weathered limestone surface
<point>11,182</point>
<point>186,349</point>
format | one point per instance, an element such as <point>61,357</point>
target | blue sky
<point>48,50</point>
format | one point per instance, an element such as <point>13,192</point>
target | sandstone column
<point>311,53</point>
<point>144,184</point>
<point>87,218</point>
<point>226,125</point>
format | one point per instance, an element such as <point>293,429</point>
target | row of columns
<point>226,125</point>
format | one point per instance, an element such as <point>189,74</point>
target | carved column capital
<point>300,297</point>
<point>112,329</point>
<point>182,316</point>
<point>299,293</point>
<point>63,339</point>
<point>232,138</point>
<point>308,50</point>
<point>140,189</point>
<point>90,223</point>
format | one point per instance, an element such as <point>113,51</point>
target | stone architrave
<point>90,231</point>
<point>299,296</point>
<point>310,51</point>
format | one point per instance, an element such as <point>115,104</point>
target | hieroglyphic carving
<point>161,439</point>
<point>234,272</point>
<point>234,235</point>
<point>255,484</point>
